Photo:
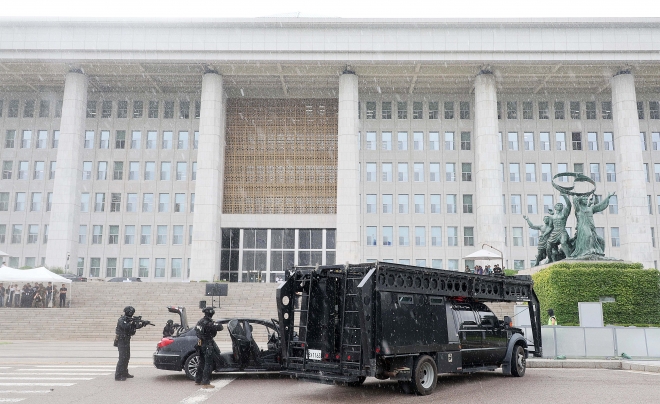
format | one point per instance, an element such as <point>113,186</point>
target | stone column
<point>636,245</point>
<point>490,219</point>
<point>64,214</point>
<point>348,181</point>
<point>207,232</point>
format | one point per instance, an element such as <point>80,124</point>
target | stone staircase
<point>96,306</point>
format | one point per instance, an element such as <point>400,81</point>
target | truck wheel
<point>425,375</point>
<point>190,365</point>
<point>518,361</point>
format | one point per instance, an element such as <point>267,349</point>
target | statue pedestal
<point>533,270</point>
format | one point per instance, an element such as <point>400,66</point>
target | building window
<point>404,236</point>
<point>33,234</point>
<point>386,140</point>
<point>177,264</point>
<point>466,171</point>
<point>616,242</point>
<point>167,140</point>
<point>17,234</point>
<point>371,235</point>
<point>465,141</point>
<point>517,236</point>
<point>467,203</point>
<point>161,235</point>
<point>143,267</point>
<point>184,109</point>
<point>436,204</point>
<point>528,112</point>
<point>38,170</point>
<point>118,171</point>
<point>451,203</point>
<point>136,139</point>
<point>418,110</point>
<point>91,109</point>
<point>106,109</point>
<point>592,140</point>
<point>544,110</point>
<point>129,234</point>
<point>642,138</point>
<point>152,137</point>
<point>371,110</point>
<point>196,140</point>
<point>193,175</point>
<point>371,203</point>
<point>419,203</point>
<point>530,172</point>
<point>26,140</point>
<point>511,110</point>
<point>591,109</point>
<point>51,172</point>
<point>97,234</point>
<point>35,204</point>
<point>528,139</point>
<point>388,236</point>
<point>402,109</point>
<point>513,140</point>
<point>654,110</point>
<point>387,203</point>
<point>452,236</point>
<point>614,205</point>
<point>28,109</point>
<point>89,139</point>
<point>371,172</point>
<point>180,203</point>
<point>84,202</point>
<point>514,172</point>
<point>19,202</point>
<point>403,203</point>
<point>165,170</point>
<point>99,202</point>
<point>42,139</point>
<point>23,170</point>
<point>433,110</point>
<point>402,141</point>
<point>450,172</point>
<point>105,139</point>
<point>181,170</point>
<point>95,267</point>
<point>418,172</point>
<point>531,204</point>
<point>122,109</point>
<point>153,109</point>
<point>434,141</point>
<point>10,137</point>
<point>610,169</point>
<point>420,236</point>
<point>192,203</point>
<point>7,169</point>
<point>436,236</point>
<point>163,203</point>
<point>386,110</point>
<point>576,138</point>
<point>3,233</point>
<point>418,141</point>
<point>574,107</point>
<point>449,109</point>
<point>44,109</point>
<point>149,170</point>
<point>533,238</point>
<point>515,204</point>
<point>464,109</point>
<point>606,109</point>
<point>402,171</point>
<point>182,143</point>
<point>547,203</point>
<point>449,141</point>
<point>177,235</point>
<point>82,234</point>
<point>159,269</point>
<point>145,234</point>
<point>198,109</point>
<point>559,110</point>
<point>544,141</point>
<point>608,141</point>
<point>111,267</point>
<point>434,172</point>
<point>594,171</point>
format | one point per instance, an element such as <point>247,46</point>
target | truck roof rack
<point>439,282</point>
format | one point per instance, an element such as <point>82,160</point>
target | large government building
<point>233,149</point>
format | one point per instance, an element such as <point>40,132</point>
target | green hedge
<point>636,291</point>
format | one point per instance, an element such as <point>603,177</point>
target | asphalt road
<point>74,373</point>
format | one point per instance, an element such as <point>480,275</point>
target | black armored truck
<point>343,323</point>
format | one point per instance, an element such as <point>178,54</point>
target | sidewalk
<point>615,364</point>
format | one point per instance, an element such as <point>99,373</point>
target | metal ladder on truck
<point>351,347</point>
<point>297,357</point>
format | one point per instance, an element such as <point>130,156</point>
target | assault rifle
<point>139,323</point>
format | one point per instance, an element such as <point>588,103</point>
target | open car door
<point>183,318</point>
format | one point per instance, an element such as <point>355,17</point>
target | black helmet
<point>551,312</point>
<point>170,322</point>
<point>208,311</point>
<point>129,311</point>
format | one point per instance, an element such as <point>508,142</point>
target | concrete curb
<point>616,364</point>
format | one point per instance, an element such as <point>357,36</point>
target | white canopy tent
<point>41,274</point>
<point>484,255</point>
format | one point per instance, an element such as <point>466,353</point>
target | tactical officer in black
<point>125,329</point>
<point>206,330</point>
<point>170,328</point>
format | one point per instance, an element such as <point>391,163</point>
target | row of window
<point>505,109</point>
<point>451,203</point>
<point>435,238</point>
<point>122,139</point>
<point>134,171</point>
<point>530,143</point>
<point>99,203</point>
<point>104,109</point>
<point>466,172</point>
<point>23,170</point>
<point>113,237</point>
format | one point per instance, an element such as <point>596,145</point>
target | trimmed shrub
<point>636,291</point>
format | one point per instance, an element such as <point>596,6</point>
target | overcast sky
<point>331,8</point>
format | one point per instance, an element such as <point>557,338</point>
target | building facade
<point>233,149</point>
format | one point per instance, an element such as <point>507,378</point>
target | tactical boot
<point>197,383</point>
<point>207,386</point>
<point>120,379</point>
<point>129,376</point>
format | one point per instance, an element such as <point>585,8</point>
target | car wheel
<point>425,375</point>
<point>518,361</point>
<point>190,365</point>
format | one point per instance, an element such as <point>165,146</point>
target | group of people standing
<point>479,270</point>
<point>37,295</point>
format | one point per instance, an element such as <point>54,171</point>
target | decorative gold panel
<point>281,156</point>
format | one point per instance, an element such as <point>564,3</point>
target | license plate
<point>314,354</point>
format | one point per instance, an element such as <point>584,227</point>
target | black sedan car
<point>255,347</point>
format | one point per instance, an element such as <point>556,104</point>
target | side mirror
<point>507,322</point>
